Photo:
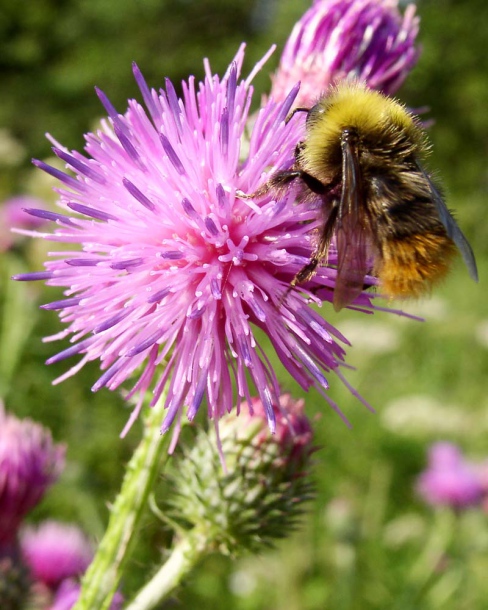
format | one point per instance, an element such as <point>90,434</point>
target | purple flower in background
<point>68,593</point>
<point>66,596</point>
<point>368,40</point>
<point>29,463</point>
<point>12,215</point>
<point>55,551</point>
<point>449,480</point>
<point>175,270</point>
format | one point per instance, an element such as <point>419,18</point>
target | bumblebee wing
<point>353,234</point>
<point>453,229</point>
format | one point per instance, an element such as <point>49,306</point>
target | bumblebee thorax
<point>379,124</point>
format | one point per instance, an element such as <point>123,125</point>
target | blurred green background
<point>368,542</point>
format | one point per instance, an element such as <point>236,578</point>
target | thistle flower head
<point>368,40</point>
<point>261,495</point>
<point>449,480</point>
<point>55,551</point>
<point>68,593</point>
<point>29,463</point>
<point>171,271</point>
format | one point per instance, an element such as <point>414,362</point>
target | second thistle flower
<point>367,40</point>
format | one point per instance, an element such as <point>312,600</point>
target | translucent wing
<point>452,228</point>
<point>354,236</point>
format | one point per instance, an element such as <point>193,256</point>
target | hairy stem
<point>102,577</point>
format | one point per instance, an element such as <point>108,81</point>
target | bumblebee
<point>361,157</point>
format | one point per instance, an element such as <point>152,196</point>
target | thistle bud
<point>250,492</point>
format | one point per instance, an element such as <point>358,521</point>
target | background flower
<point>367,40</point>
<point>12,215</point>
<point>68,593</point>
<point>55,551</point>
<point>29,463</point>
<point>449,479</point>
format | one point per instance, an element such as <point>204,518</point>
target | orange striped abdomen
<point>409,266</point>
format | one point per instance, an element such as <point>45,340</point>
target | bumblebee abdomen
<point>409,266</point>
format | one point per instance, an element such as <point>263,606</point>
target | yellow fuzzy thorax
<point>373,116</point>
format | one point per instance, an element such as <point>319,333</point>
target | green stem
<point>102,577</point>
<point>185,555</point>
<point>17,320</point>
<point>435,548</point>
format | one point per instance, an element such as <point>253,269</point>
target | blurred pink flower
<point>13,215</point>
<point>29,463</point>
<point>449,479</point>
<point>68,593</point>
<point>55,551</point>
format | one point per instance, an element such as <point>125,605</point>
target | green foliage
<point>367,542</point>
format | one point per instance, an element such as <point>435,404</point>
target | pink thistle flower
<point>367,40</point>
<point>175,270</point>
<point>66,596</point>
<point>449,479</point>
<point>68,593</point>
<point>12,214</point>
<point>55,551</point>
<point>29,463</point>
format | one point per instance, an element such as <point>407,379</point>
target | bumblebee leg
<point>321,251</point>
<point>317,187</point>
<point>278,182</point>
<point>306,272</point>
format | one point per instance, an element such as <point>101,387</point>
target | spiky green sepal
<point>257,501</point>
